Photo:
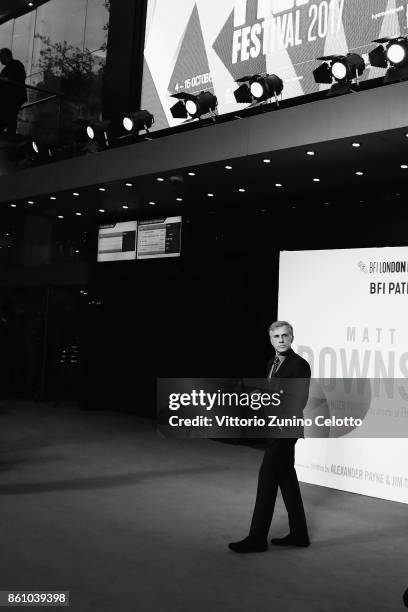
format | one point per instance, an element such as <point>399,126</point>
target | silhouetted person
<point>13,94</point>
<point>278,465</point>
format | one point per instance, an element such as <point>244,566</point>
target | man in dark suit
<point>278,465</point>
<point>12,91</point>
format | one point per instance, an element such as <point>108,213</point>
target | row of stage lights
<point>339,71</point>
<point>102,133</point>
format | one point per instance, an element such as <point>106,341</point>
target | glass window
<point>60,21</point>
<point>6,34</point>
<point>97,20</point>
<point>22,44</point>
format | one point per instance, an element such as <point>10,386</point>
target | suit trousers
<point>278,470</point>
<point>8,118</point>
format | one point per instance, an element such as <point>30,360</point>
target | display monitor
<point>159,238</point>
<point>117,241</point>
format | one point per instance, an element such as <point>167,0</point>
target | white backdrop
<point>349,309</point>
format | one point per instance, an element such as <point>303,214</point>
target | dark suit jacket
<point>295,396</point>
<point>13,94</point>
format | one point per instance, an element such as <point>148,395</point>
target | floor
<point>98,504</point>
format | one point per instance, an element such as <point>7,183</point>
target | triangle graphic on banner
<point>223,47</point>
<point>151,100</point>
<point>192,59</point>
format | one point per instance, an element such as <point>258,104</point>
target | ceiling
<point>286,180</point>
<point>9,9</point>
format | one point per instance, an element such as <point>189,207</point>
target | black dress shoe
<point>247,545</point>
<point>291,540</point>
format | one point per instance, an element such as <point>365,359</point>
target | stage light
<point>194,106</point>
<point>87,131</point>
<point>339,71</point>
<point>258,88</point>
<point>126,124</point>
<point>392,53</point>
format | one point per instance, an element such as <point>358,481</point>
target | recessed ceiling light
<point>210,195</point>
<point>191,174</point>
<point>60,216</point>
<point>76,251</point>
<point>31,4</point>
<point>228,167</point>
<point>129,184</point>
<point>316,180</point>
<point>242,190</point>
<point>404,166</point>
<point>160,179</point>
<point>266,161</point>
<point>356,145</point>
<point>75,193</point>
<point>152,203</point>
<point>13,205</point>
<point>359,173</point>
<point>278,184</point>
<point>101,210</point>
<point>102,189</point>
<point>78,214</point>
<point>125,206</point>
<point>179,199</point>
<point>30,202</point>
<point>53,198</point>
<point>310,153</point>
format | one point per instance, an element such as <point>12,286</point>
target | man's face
<point>4,59</point>
<point>281,339</point>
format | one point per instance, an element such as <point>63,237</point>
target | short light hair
<point>277,324</point>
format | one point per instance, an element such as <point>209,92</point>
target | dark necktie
<point>275,366</point>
